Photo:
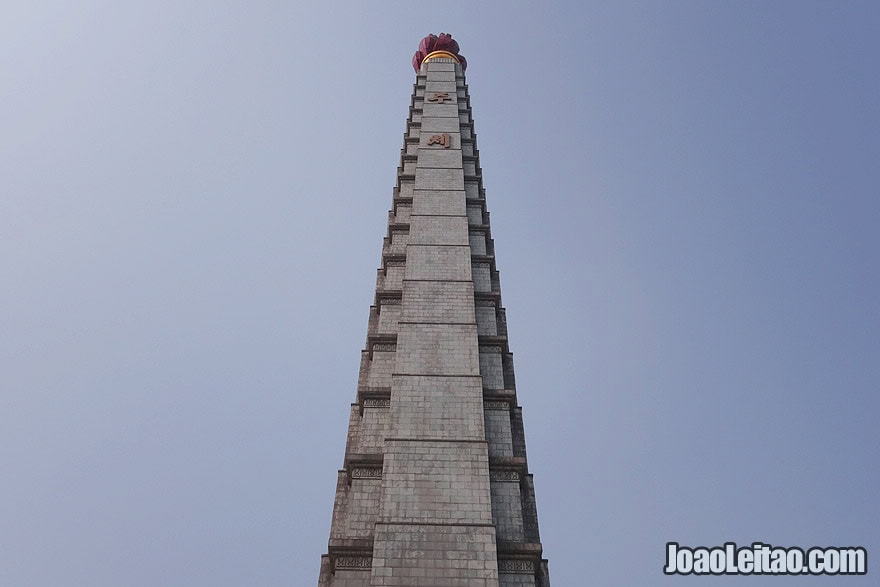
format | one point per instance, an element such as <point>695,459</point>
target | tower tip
<point>442,45</point>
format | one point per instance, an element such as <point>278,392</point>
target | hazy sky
<point>685,202</point>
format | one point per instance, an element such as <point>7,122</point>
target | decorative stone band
<point>496,405</point>
<point>493,296</point>
<point>485,303</point>
<point>381,343</point>
<point>493,343</point>
<point>515,566</point>
<point>389,297</point>
<point>377,402</point>
<point>366,472</point>
<point>504,476</point>
<point>353,562</point>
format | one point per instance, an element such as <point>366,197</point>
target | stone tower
<point>435,488</point>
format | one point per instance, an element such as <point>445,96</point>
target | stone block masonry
<point>435,488</point>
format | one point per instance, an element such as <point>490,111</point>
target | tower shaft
<point>435,488</point>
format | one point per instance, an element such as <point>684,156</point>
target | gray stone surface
<point>436,482</point>
<point>434,157</point>
<point>438,202</point>
<point>446,64</point>
<point>447,109</point>
<point>407,555</point>
<point>428,408</point>
<point>388,318</point>
<point>498,432</point>
<point>439,230</point>
<point>438,302</point>
<point>439,125</point>
<point>435,489</point>
<point>478,243</point>
<point>438,262</point>
<point>432,86</point>
<point>437,349</point>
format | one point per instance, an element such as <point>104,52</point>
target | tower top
<point>437,46</point>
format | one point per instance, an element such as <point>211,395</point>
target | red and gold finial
<point>437,46</point>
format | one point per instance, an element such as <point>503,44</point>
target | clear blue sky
<point>685,202</point>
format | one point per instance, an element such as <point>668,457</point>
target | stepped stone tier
<point>435,488</point>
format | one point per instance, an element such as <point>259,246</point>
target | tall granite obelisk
<point>435,488</point>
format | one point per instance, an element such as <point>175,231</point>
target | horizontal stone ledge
<point>457,524</point>
<point>440,245</point>
<point>532,550</point>
<point>439,280</point>
<point>381,343</point>
<point>382,347</point>
<point>363,467</point>
<point>364,396</point>
<point>508,395</point>
<point>374,391</point>
<point>517,465</point>
<point>434,322</point>
<point>397,374</point>
<point>372,394</point>
<point>364,459</point>
<point>450,215</point>
<point>350,546</point>
<point>431,191</point>
<point>446,440</point>
<point>488,295</point>
<point>388,296</point>
<point>495,347</point>
<point>393,260</point>
<point>372,402</point>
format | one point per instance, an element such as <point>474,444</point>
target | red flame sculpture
<point>431,43</point>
